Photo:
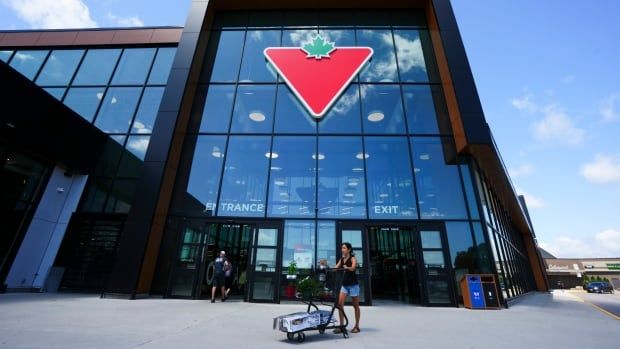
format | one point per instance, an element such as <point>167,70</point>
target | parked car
<point>599,287</point>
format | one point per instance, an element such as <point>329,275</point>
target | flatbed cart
<point>296,324</point>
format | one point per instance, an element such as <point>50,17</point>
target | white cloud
<point>604,244</point>
<point>557,127</point>
<point>568,79</point>
<point>603,170</point>
<point>521,171</point>
<point>524,103</point>
<point>133,21</point>
<point>532,201</point>
<point>52,14</point>
<point>607,107</point>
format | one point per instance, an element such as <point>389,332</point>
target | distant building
<point>571,272</point>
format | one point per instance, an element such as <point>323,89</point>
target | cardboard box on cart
<point>298,321</point>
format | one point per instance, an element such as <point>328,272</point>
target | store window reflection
<point>390,183</point>
<point>382,67</point>
<point>344,116</point>
<point>254,67</point>
<point>299,242</point>
<point>293,177</point>
<point>291,116</point>
<point>244,184</point>
<point>440,195</point>
<point>341,184</point>
<point>382,109</point>
<point>253,112</point>
<point>59,67</point>
<point>204,178</point>
<point>410,56</point>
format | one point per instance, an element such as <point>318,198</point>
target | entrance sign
<point>318,72</point>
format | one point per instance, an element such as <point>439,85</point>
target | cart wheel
<point>321,330</point>
<point>301,337</point>
<point>345,333</point>
<point>290,336</point>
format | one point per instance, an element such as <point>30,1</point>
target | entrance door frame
<point>416,227</point>
<point>203,263</point>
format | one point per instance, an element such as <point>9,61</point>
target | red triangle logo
<point>318,76</point>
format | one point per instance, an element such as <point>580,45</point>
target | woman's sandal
<point>338,330</point>
<point>355,330</point>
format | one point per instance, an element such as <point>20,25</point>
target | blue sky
<point>547,73</point>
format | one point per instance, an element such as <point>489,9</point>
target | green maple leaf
<point>318,47</point>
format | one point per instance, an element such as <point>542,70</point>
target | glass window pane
<point>245,177</point>
<point>84,100</point>
<point>420,109</point>
<point>28,63</point>
<point>57,92</point>
<point>430,239</point>
<point>253,111</point>
<point>134,66</point>
<point>292,190</point>
<point>97,67</point>
<point>341,37</point>
<point>110,155</point>
<point>59,67</point>
<point>484,260</point>
<point>301,18</point>
<point>96,193</point>
<point>326,242</point>
<point>265,262</point>
<point>390,182</point>
<point>217,108</point>
<point>121,197</point>
<point>118,108</point>
<point>382,109</point>
<point>254,66</point>
<point>296,38</point>
<point>469,191</point>
<point>204,178</point>
<point>462,251</point>
<point>440,194</point>
<point>162,66</point>
<point>5,55</point>
<point>131,163</point>
<point>299,244</point>
<point>410,56</point>
<point>147,112</point>
<point>433,259</point>
<point>344,116</point>
<point>341,177</point>
<point>382,65</point>
<point>228,56</point>
<point>267,237</point>
<point>291,116</point>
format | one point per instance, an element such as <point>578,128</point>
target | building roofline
<point>4,31</point>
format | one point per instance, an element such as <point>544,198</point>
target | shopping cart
<point>314,319</point>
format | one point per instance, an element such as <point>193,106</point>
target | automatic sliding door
<point>265,273</point>
<point>436,269</point>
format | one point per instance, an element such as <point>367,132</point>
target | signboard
<point>476,293</point>
<point>318,71</point>
<point>613,266</point>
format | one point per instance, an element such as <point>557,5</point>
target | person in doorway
<point>219,276</point>
<point>228,275</point>
<point>350,285</point>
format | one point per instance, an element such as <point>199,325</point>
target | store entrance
<point>393,264</point>
<point>251,247</point>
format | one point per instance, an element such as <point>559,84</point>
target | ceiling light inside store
<point>272,155</point>
<point>362,156</point>
<point>321,156</point>
<point>257,116</point>
<point>376,116</point>
<point>425,157</point>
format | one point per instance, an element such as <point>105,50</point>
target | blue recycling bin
<point>473,292</point>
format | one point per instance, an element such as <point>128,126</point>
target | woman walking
<point>350,285</point>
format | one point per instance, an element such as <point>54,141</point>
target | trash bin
<point>479,291</point>
<point>491,298</point>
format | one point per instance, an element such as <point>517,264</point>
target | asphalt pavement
<point>604,301</point>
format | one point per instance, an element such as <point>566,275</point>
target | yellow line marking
<point>612,315</point>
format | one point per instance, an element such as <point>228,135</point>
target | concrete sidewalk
<point>558,320</point>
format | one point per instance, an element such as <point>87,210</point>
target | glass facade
<point>118,90</point>
<point>383,154</point>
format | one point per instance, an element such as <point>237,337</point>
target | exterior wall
<point>47,229</point>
